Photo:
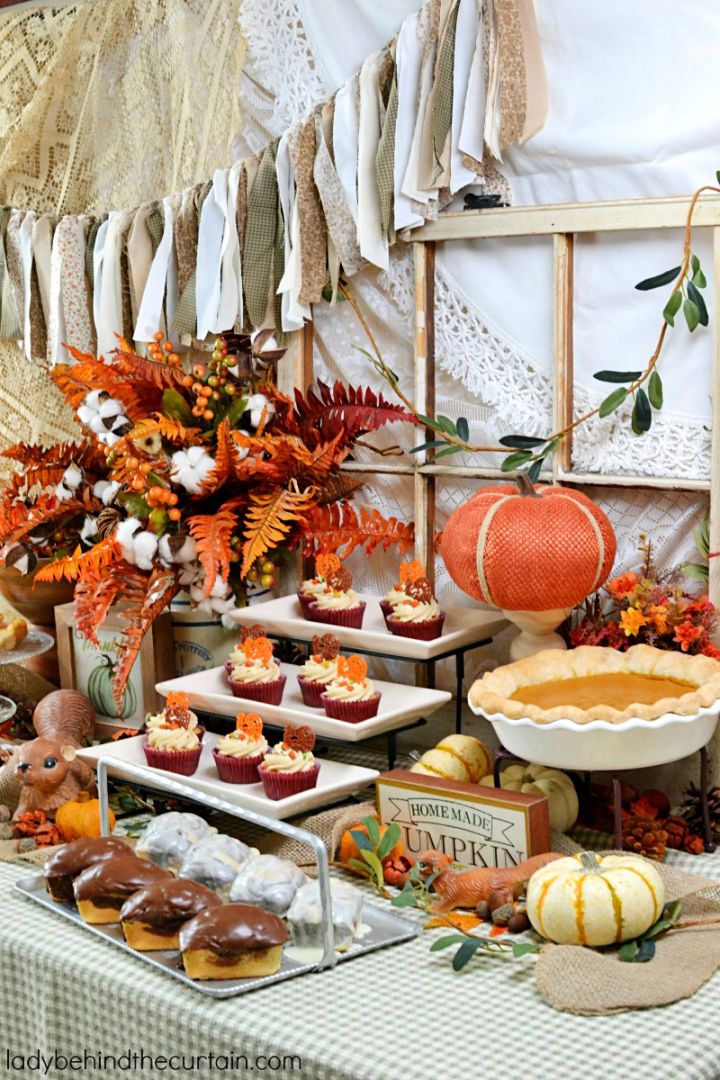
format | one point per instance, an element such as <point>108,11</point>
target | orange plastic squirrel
<point>48,769</point>
<point>466,888</point>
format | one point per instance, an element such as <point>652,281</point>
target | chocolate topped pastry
<point>101,890</point>
<point>64,865</point>
<point>152,917</point>
<point>233,941</point>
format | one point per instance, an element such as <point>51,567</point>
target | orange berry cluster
<point>208,384</point>
<point>159,350</point>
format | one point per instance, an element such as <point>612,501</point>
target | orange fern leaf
<point>270,518</point>
<point>19,520</point>
<point>90,374</point>
<point>171,429</point>
<point>339,528</point>
<point>95,593</point>
<point>103,554</point>
<point>140,369</point>
<point>212,534</point>
<point>224,460</point>
<point>145,596</point>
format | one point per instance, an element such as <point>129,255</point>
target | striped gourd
<point>456,757</point>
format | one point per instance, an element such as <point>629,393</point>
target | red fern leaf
<point>339,528</point>
<point>147,597</point>
<point>212,534</point>
<point>19,520</point>
<point>95,593</point>
<point>344,410</point>
<point>139,369</point>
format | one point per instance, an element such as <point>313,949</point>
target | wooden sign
<point>480,826</point>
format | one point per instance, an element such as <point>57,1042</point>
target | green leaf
<point>642,413</point>
<point>534,470</point>
<point>717,176</point>
<point>697,298</point>
<point>388,841</point>
<point>429,422</point>
<point>660,279</point>
<point>673,911</point>
<point>406,898</point>
<point>645,952</point>
<point>617,376</point>
<point>428,446</point>
<point>700,279</point>
<point>613,401</point>
<point>695,571</point>
<point>463,428</point>
<point>238,406</point>
<point>362,840</point>
<point>672,307</point>
<point>694,264</point>
<point>515,461</point>
<point>628,952</point>
<point>375,865</point>
<point>447,941</point>
<point>522,948</point>
<point>175,406</point>
<point>465,953</point>
<point>446,425</point>
<point>657,928</point>
<point>359,866</point>
<point>449,450</point>
<point>655,390</point>
<point>692,314</point>
<point>373,829</point>
<point>521,442</point>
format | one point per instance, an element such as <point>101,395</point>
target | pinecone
<point>678,832</point>
<point>691,810</point>
<point>107,521</point>
<point>644,837</point>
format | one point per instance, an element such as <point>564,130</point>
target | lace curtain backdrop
<point>103,106</point>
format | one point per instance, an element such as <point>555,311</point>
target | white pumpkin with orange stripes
<point>456,757</point>
<point>590,900</point>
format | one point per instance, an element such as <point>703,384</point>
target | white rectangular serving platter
<point>283,617</point>
<point>399,705</point>
<point>335,781</point>
<point>383,928</point>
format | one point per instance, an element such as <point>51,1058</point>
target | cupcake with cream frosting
<point>290,766</point>
<point>258,677</point>
<point>238,754</point>
<point>338,604</point>
<point>319,669</point>
<point>408,571</point>
<point>310,589</point>
<point>174,744</point>
<point>419,616</point>
<point>237,656</point>
<point>351,696</point>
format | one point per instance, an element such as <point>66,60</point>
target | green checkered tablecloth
<point>401,1012</point>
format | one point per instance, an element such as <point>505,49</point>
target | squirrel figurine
<point>466,888</point>
<point>48,770</point>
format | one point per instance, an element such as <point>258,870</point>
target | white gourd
<point>542,780</point>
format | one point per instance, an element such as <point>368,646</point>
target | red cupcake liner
<point>387,609</point>
<point>269,693</point>
<point>280,785</point>
<point>312,691</point>
<point>351,617</point>
<point>184,762</point>
<point>305,601</point>
<point>421,631</point>
<point>352,712</point>
<point>237,770</point>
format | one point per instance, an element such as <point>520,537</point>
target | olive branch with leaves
<point>644,386</point>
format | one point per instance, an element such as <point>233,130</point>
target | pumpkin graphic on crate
<point>99,690</point>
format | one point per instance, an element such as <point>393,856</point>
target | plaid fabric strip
<point>385,160</point>
<point>156,224</point>
<point>186,237</point>
<point>443,92</point>
<point>259,250</point>
<point>9,319</point>
<point>95,224</point>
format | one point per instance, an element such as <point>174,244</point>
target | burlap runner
<point>590,983</point>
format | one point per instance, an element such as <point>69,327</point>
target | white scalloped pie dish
<point>633,744</point>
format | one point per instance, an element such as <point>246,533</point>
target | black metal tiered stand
<point>503,757</point>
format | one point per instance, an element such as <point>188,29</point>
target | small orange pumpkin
<point>81,817</point>
<point>528,548</point>
<point>348,849</point>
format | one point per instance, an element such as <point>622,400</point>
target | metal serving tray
<point>384,928</point>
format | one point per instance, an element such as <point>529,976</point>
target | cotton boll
<point>168,550</point>
<point>190,468</point>
<point>88,533</point>
<point>110,409</point>
<point>106,490</point>
<point>145,545</point>
<point>72,477</point>
<point>256,405</point>
<point>124,534</point>
<point>85,414</point>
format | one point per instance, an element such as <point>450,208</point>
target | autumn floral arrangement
<point>646,607</point>
<point>187,479</point>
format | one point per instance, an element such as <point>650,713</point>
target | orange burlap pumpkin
<point>528,549</point>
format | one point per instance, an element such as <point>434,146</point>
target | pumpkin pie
<point>593,683</point>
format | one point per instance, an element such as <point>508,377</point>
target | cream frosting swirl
<point>396,595</point>
<point>237,744</point>
<point>283,759</point>
<point>173,738</point>
<point>416,611</point>
<point>330,600</point>
<point>237,656</point>
<point>313,587</point>
<point>159,719</point>
<point>347,690</point>
<point>317,669</point>
<point>255,671</point>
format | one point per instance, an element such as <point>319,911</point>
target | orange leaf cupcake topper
<point>257,630</point>
<point>326,565</point>
<point>249,723</point>
<point>258,649</point>
<point>177,709</point>
<point>299,738</point>
<point>177,699</point>
<point>352,667</point>
<point>410,571</point>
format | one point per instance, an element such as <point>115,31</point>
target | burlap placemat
<point>591,983</point>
